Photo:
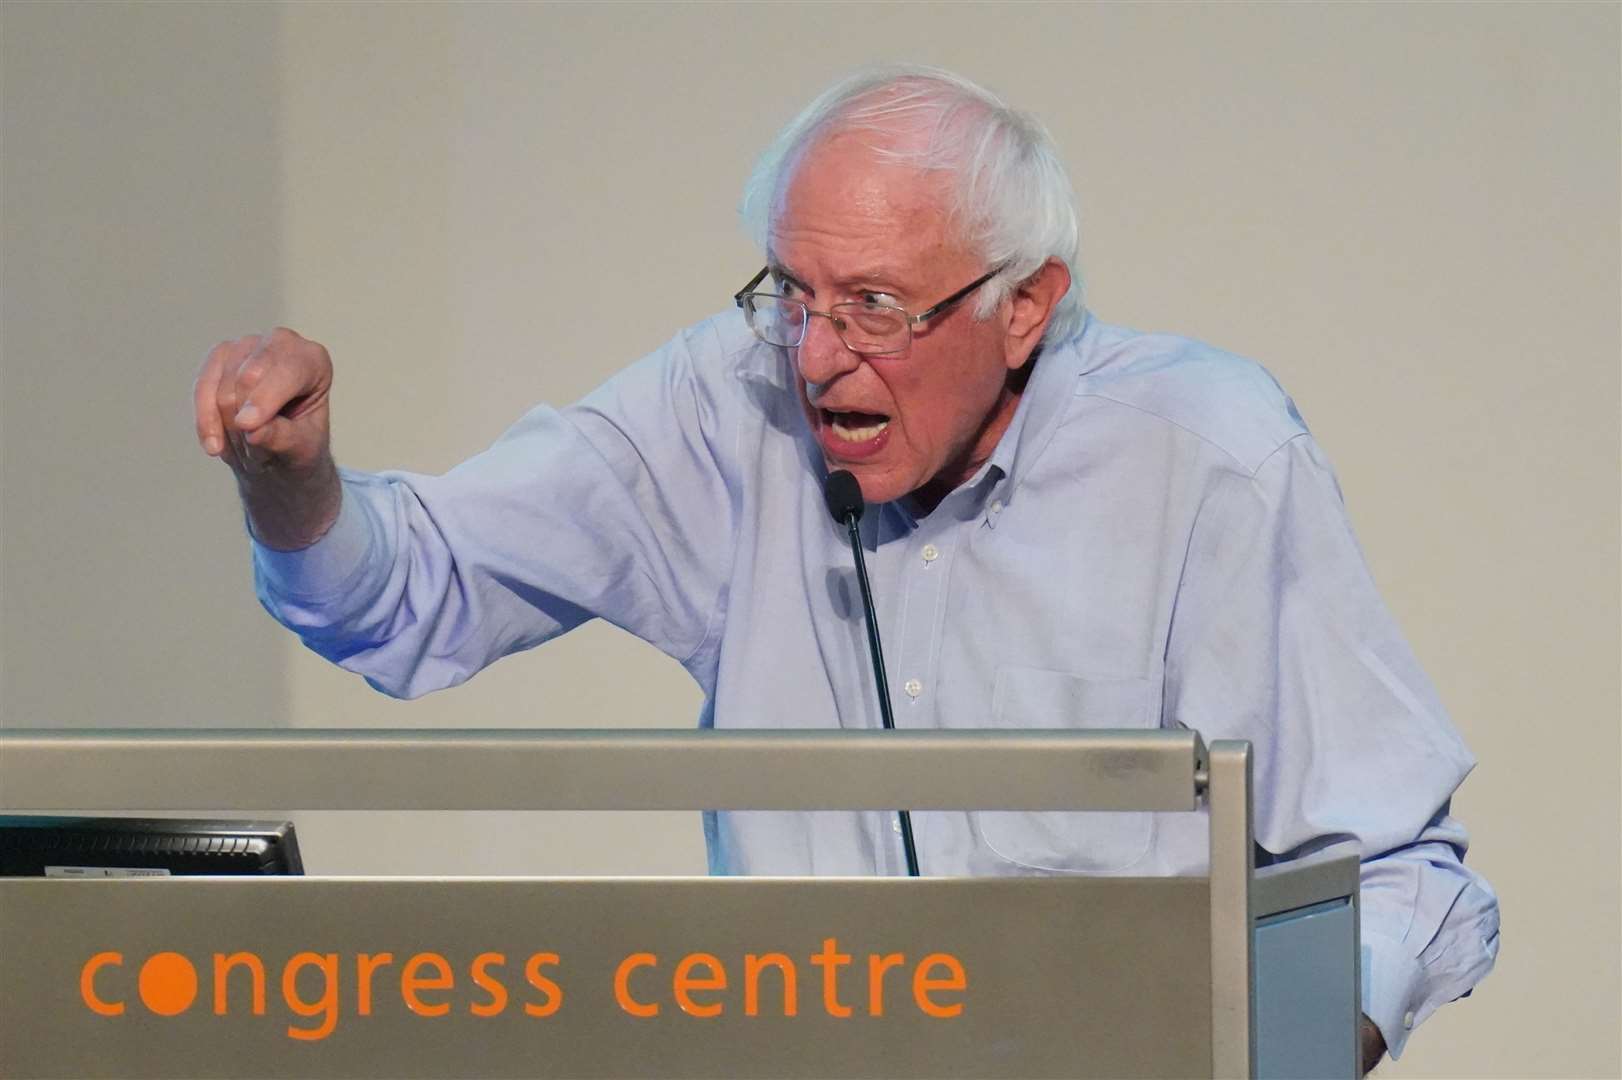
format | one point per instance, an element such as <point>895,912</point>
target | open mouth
<point>854,427</point>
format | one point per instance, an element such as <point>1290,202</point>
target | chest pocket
<point>1067,842</point>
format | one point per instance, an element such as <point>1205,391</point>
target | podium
<point>1240,972</point>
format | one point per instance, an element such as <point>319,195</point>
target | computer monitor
<point>79,847</point>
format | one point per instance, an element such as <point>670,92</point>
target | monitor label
<point>104,871</point>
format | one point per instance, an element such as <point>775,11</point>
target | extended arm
<point>615,507</point>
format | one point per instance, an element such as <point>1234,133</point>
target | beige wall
<point>142,219</point>
<point>1410,213</point>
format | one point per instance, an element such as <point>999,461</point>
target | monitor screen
<point>79,847</point>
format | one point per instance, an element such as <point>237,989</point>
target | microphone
<point>844,498</point>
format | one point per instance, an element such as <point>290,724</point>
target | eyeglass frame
<point>910,319</point>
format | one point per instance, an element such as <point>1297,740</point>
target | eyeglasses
<point>867,328</point>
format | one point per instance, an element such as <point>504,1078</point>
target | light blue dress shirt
<point>1157,541</point>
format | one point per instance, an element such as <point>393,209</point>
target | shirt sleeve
<point>617,507</point>
<point>1279,637</point>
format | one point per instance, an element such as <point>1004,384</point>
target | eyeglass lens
<point>866,328</point>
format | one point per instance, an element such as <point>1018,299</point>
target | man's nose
<point>823,355</point>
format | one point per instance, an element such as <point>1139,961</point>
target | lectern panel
<point>1306,992</point>
<point>326,977</point>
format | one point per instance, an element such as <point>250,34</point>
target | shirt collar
<point>1041,407</point>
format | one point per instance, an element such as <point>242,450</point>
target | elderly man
<point>1075,525</point>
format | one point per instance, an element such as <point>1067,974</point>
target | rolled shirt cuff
<point>1393,990</point>
<point>327,567</point>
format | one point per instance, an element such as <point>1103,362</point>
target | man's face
<point>923,420</point>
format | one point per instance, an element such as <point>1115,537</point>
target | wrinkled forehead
<point>851,186</point>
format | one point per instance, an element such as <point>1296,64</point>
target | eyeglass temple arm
<point>950,300</point>
<point>737,297</point>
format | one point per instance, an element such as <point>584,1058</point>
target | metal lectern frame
<point>666,769</point>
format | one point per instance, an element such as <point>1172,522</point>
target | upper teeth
<point>857,434</point>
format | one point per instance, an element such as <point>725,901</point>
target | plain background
<point>1409,213</point>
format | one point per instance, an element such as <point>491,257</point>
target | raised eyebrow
<point>783,273</point>
<point>874,282</point>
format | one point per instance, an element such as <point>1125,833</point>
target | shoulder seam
<point>1206,439</point>
<point>714,621</point>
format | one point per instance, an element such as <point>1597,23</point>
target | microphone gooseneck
<point>844,498</point>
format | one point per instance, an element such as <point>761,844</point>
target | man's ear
<point>1034,301</point>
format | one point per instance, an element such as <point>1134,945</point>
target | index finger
<point>205,390</point>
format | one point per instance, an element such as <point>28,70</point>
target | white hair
<point>1012,198</point>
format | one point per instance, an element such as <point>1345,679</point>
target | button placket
<point>925,577</point>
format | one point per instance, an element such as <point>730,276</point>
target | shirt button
<point>996,506</point>
<point>1408,1021</point>
<point>931,553</point>
<point>895,826</point>
<point>913,688</point>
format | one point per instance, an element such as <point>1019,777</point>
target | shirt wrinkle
<point>642,569</point>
